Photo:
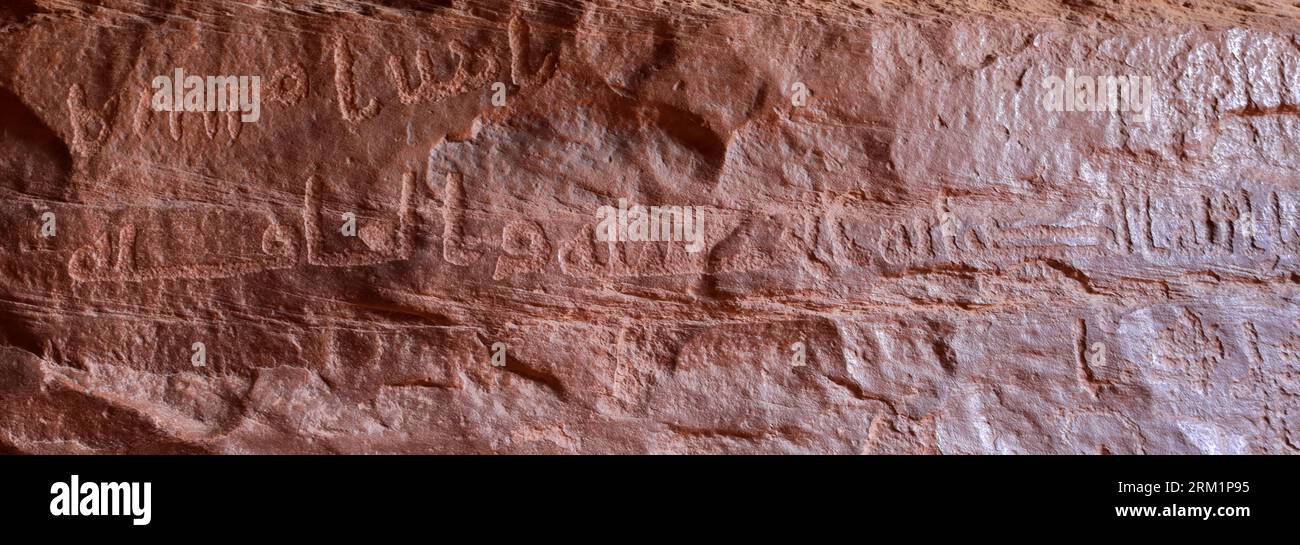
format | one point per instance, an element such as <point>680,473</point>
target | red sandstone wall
<point>904,248</point>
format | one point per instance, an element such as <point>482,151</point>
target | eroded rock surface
<point>913,256</point>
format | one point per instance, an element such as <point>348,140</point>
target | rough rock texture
<point>968,272</point>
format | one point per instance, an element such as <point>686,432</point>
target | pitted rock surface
<point>914,257</point>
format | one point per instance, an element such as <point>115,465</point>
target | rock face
<point>913,228</point>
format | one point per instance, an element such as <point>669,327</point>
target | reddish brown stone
<point>962,270</point>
